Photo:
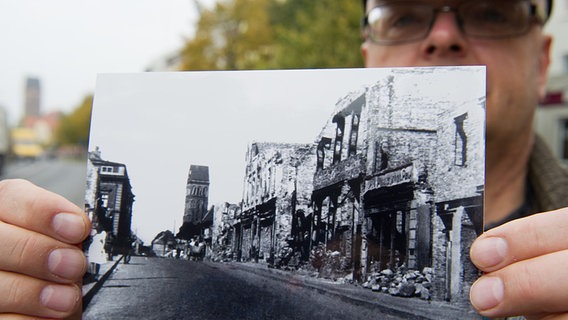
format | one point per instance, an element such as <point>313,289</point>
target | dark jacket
<point>547,188</point>
<point>548,179</point>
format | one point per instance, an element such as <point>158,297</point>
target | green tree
<point>317,34</point>
<point>74,127</point>
<point>235,34</point>
<point>262,34</point>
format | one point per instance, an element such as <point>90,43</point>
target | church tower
<point>196,195</point>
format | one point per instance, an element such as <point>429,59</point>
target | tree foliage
<point>235,34</point>
<point>276,34</point>
<point>317,34</point>
<point>74,127</point>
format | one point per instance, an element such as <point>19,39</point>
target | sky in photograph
<point>158,124</point>
<point>161,123</point>
<point>66,43</point>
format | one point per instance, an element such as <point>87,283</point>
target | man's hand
<point>41,264</point>
<point>526,268</point>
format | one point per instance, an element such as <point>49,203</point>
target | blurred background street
<point>65,177</point>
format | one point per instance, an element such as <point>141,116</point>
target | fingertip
<point>71,227</point>
<point>67,264</point>
<point>488,253</point>
<point>487,293</point>
<point>60,298</point>
<point>30,297</point>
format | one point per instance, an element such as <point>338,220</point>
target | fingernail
<point>59,298</point>
<point>69,226</point>
<point>487,293</point>
<point>489,252</point>
<point>66,263</point>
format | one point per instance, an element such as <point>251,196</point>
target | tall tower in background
<point>32,95</point>
<point>197,195</point>
<point>196,202</point>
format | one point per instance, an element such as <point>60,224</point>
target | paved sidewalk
<point>406,308</point>
<point>90,289</point>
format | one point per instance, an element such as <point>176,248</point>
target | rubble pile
<point>223,254</point>
<point>286,259</point>
<point>402,283</point>
<point>329,264</point>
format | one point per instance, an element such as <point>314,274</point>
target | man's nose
<point>446,37</point>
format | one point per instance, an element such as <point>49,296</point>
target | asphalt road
<point>65,177</point>
<point>158,288</point>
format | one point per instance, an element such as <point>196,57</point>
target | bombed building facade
<point>276,188</point>
<point>398,184</point>
<point>222,231</point>
<point>392,182</point>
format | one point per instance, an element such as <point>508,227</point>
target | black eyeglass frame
<point>535,15</point>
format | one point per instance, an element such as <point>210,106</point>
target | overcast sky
<point>65,43</point>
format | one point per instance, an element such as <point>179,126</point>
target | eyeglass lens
<point>406,21</point>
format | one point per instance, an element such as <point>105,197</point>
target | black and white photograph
<point>285,194</point>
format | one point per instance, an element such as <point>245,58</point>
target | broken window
<point>354,135</point>
<point>325,143</point>
<point>460,141</point>
<point>338,147</point>
<point>381,156</point>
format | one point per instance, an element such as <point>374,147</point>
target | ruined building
<point>399,184</point>
<point>222,231</point>
<point>109,201</point>
<point>394,181</point>
<point>277,188</point>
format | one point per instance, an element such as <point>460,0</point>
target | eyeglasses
<point>406,21</point>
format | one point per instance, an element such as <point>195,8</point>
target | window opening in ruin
<point>460,141</point>
<point>338,147</point>
<point>354,135</point>
<point>325,143</point>
<point>384,158</point>
<point>381,156</point>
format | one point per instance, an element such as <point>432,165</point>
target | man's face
<point>516,67</point>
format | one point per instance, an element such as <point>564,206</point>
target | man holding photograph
<point>525,260</point>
